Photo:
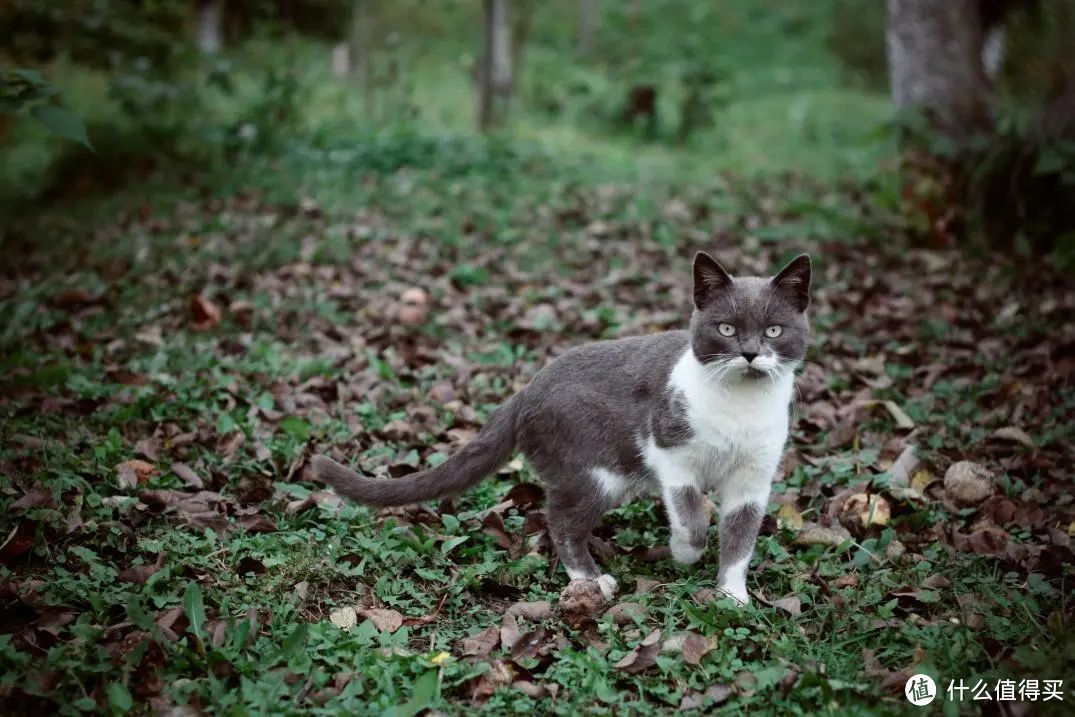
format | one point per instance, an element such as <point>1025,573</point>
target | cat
<point>676,413</point>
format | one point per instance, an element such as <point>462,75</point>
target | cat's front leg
<point>742,507</point>
<point>688,522</point>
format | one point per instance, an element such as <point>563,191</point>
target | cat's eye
<point>774,331</point>
<point>726,330</point>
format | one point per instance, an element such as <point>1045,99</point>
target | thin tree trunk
<point>935,62</point>
<point>361,45</point>
<point>210,37</point>
<point>587,19</point>
<point>495,75</point>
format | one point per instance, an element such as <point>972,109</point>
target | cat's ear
<point>710,279</point>
<point>793,282</point>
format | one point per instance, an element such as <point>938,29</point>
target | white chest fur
<point>739,429</point>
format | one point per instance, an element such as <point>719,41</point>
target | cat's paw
<point>683,551</point>
<point>739,594</point>
<point>608,586</point>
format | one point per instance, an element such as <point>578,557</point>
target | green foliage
<point>22,89</point>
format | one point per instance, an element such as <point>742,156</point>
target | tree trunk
<point>587,19</point>
<point>495,75</point>
<point>360,50</point>
<point>210,38</point>
<point>935,62</point>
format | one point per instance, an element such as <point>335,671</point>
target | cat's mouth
<point>753,374</point>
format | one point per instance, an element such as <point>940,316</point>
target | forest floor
<point>169,359</point>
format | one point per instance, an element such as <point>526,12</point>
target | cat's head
<point>750,328</point>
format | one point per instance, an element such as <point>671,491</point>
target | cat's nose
<point>749,355</point>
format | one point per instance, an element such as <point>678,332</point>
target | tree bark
<point>935,62</point>
<point>360,53</point>
<point>587,20</point>
<point>210,37</point>
<point>495,75</point>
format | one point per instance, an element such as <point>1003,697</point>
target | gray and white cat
<point>677,414</point>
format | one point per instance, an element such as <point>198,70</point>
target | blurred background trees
<point>979,92</point>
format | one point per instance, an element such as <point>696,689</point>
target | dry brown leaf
<point>968,483</point>
<point>509,627</point>
<point>714,696</point>
<point>865,510</point>
<point>645,585</point>
<point>148,447</point>
<point>1013,434</point>
<point>344,618</point>
<point>791,604</point>
<point>692,646</point>
<point>37,497</point>
<point>204,313</point>
<point>483,686</point>
<point>140,573</point>
<point>788,516</point>
<point>581,601</point>
<point>902,420</point>
<point>483,643</point>
<point>814,534</point>
<point>385,620</point>
<point>188,476</point>
<point>134,472</point>
<point>643,656</point>
<point>984,541</point>
<point>904,466</point>
<point>624,613</point>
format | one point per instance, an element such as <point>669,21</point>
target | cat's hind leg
<point>572,514</point>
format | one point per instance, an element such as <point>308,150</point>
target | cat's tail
<point>490,449</point>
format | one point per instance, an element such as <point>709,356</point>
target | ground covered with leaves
<point>169,359</point>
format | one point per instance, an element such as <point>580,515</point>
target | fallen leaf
<point>509,627</point>
<point>814,534</point>
<point>714,696</point>
<point>204,313</point>
<point>984,541</point>
<point>140,573</point>
<point>344,618</point>
<point>645,585</point>
<point>37,497</point>
<point>967,483</point>
<point>384,620</point>
<point>188,476</point>
<point>790,604</point>
<point>528,645</point>
<point>534,689</point>
<point>483,643</point>
<point>148,447</point>
<point>902,419</point>
<point>1012,434</point>
<point>937,582</point>
<point>643,656</point>
<point>692,646</point>
<point>581,601</point>
<point>624,613</point>
<point>482,687</point>
<point>323,498</point>
<point>789,517</point>
<point>864,510</point>
<point>134,472</point>
<point>904,466</point>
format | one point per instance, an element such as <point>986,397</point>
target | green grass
<point>312,358</point>
<point>304,239</point>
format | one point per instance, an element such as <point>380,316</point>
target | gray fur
<point>687,503</point>
<point>738,531</point>
<point>590,407</point>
